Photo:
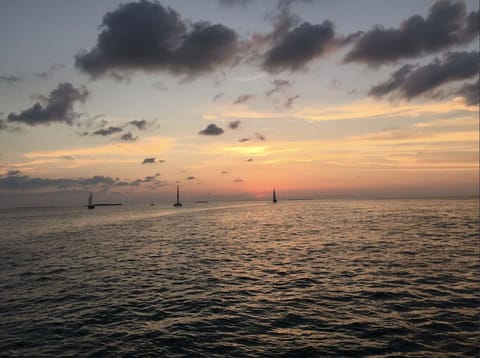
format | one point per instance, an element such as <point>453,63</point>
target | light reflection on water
<point>301,278</point>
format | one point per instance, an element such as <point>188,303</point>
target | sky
<point>231,98</point>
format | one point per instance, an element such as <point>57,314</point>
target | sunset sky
<point>229,98</point>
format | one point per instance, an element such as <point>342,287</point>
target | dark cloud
<point>277,86</point>
<point>224,172</point>
<point>52,69</point>
<point>10,80</point>
<point>290,100</point>
<point>260,136</point>
<point>297,47</point>
<point>211,129</point>
<point>238,180</point>
<point>243,98</point>
<point>471,93</point>
<point>140,124</point>
<point>128,137</point>
<point>244,140</point>
<point>147,36</point>
<point>249,160</point>
<point>3,125</point>
<point>24,182</point>
<point>411,81</point>
<point>12,173</point>
<point>234,124</point>
<point>67,157</point>
<point>149,161</point>
<point>107,131</point>
<point>447,24</point>
<point>190,178</point>
<point>56,107</point>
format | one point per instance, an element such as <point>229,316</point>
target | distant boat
<point>90,202</point>
<point>178,203</point>
<point>274,196</point>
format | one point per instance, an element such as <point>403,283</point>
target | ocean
<point>299,278</point>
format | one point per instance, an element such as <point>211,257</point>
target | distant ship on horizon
<point>274,196</point>
<point>178,203</point>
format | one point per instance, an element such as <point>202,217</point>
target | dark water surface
<point>306,278</point>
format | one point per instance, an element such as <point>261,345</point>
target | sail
<point>178,203</point>
<point>274,196</point>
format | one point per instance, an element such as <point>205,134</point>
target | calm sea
<point>299,278</point>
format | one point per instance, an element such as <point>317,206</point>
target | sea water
<point>298,278</point>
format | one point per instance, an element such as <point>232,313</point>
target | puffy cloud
<point>107,131</point>
<point>10,80</point>
<point>447,24</point>
<point>411,81</point>
<point>277,86</point>
<point>299,46</point>
<point>15,181</point>
<point>211,129</point>
<point>149,161</point>
<point>290,100</point>
<point>243,98</point>
<point>128,137</point>
<point>161,41</point>
<point>260,136</point>
<point>56,107</point>
<point>140,124</point>
<point>234,124</point>
<point>51,70</point>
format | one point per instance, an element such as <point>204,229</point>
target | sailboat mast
<point>178,194</point>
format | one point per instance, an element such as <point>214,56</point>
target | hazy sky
<point>230,98</point>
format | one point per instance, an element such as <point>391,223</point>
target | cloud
<point>260,136</point>
<point>190,178</point>
<point>12,173</point>
<point>17,181</point>
<point>140,124</point>
<point>161,41</point>
<point>52,69</point>
<point>243,98</point>
<point>290,100</point>
<point>447,24</point>
<point>238,180</point>
<point>56,107</point>
<point>10,80</point>
<point>149,161</point>
<point>234,124</point>
<point>229,3</point>
<point>217,97</point>
<point>249,160</point>
<point>244,140</point>
<point>107,131</point>
<point>411,81</point>
<point>128,137</point>
<point>3,125</point>
<point>277,86</point>
<point>224,172</point>
<point>211,129</point>
<point>299,46</point>
<point>471,93</point>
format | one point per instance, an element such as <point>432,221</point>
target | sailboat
<point>178,203</point>
<point>274,196</point>
<point>90,202</point>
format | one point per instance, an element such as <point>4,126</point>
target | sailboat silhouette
<point>178,203</point>
<point>274,196</point>
<point>90,202</point>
